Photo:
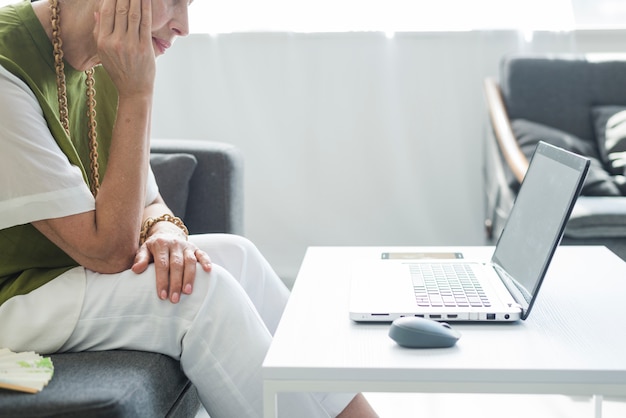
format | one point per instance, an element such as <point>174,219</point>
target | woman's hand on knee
<point>175,260</point>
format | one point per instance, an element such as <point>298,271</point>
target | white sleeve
<point>37,181</point>
<point>152,190</point>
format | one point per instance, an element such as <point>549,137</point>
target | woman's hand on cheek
<point>124,40</point>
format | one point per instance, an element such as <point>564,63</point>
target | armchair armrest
<point>501,125</point>
<point>215,200</point>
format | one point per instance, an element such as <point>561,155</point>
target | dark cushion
<point>107,384</point>
<point>216,202</point>
<point>610,126</point>
<point>172,173</point>
<point>598,183</point>
<point>559,91</point>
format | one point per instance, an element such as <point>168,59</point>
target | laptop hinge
<point>517,291</point>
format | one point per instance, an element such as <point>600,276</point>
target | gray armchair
<point>202,182</point>
<point>214,202</point>
<point>575,102</point>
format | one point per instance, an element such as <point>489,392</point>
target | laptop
<point>448,287</point>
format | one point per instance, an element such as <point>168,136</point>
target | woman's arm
<point>175,257</point>
<point>106,239</point>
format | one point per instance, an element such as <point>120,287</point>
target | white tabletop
<point>574,341</point>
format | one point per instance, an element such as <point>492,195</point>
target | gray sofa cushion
<point>559,91</point>
<point>216,203</point>
<point>610,126</point>
<point>107,384</point>
<point>598,183</point>
<point>172,173</point>
<point>597,216</point>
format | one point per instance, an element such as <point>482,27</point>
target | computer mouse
<point>414,332</point>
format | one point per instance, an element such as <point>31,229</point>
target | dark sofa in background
<point>577,102</point>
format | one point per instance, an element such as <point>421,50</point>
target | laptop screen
<point>536,223</point>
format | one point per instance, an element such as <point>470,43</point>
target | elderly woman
<point>91,258</point>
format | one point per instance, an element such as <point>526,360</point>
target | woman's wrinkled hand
<point>123,33</point>
<point>175,260</point>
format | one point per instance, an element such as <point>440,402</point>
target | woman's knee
<point>222,286</point>
<point>232,252</point>
<point>223,243</point>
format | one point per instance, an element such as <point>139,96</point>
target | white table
<point>573,343</point>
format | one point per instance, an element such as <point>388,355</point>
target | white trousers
<point>220,333</point>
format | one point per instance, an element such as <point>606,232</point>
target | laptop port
<point>491,316</point>
<point>419,315</point>
<point>452,316</point>
<point>435,316</point>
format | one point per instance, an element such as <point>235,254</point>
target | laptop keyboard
<point>449,285</point>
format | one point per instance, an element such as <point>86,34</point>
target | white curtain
<point>349,138</point>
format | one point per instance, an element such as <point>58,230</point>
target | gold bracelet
<point>149,223</point>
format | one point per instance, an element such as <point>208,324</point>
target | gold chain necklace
<point>57,44</point>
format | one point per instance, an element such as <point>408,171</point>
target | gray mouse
<point>414,332</point>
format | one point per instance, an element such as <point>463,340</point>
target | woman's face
<point>169,20</point>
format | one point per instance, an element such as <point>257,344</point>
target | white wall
<point>348,138</point>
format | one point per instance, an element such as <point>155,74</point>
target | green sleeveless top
<point>28,259</point>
